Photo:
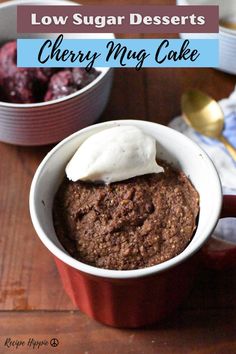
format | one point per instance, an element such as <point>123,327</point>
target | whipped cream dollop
<point>114,154</point>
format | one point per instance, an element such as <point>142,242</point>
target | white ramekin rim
<point>125,274</point>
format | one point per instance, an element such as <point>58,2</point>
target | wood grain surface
<point>32,301</point>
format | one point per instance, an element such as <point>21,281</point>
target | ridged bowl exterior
<point>49,123</point>
<point>129,303</point>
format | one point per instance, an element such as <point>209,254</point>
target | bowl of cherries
<point>40,106</point>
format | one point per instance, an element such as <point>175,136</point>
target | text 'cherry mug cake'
<point>120,207</point>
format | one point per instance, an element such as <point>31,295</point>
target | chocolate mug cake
<point>137,221</point>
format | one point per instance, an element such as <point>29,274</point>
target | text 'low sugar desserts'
<point>123,208</point>
<point>32,85</point>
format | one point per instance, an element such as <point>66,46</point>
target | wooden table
<point>32,301</point>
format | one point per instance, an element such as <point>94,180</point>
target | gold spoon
<point>228,24</point>
<point>205,115</point>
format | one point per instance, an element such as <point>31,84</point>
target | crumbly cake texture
<point>127,225</point>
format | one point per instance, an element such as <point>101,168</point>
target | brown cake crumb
<point>131,224</point>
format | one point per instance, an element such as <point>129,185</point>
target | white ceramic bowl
<point>227,38</point>
<point>49,122</point>
<point>172,146</point>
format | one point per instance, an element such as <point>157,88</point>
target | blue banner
<point>117,53</point>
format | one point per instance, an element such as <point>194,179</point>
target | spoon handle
<point>228,146</point>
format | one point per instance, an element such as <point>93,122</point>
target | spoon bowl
<point>205,115</point>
